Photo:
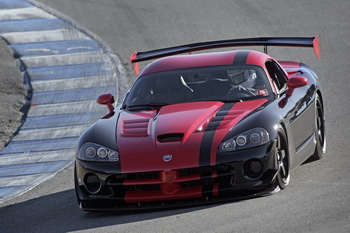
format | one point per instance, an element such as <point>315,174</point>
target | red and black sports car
<point>205,127</point>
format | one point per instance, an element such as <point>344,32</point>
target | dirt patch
<point>12,95</point>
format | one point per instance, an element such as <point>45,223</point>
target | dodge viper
<point>204,127</point>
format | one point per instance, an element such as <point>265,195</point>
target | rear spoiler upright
<point>262,41</point>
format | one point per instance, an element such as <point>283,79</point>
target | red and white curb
<point>67,69</point>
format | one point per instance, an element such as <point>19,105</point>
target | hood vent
<point>222,118</point>
<point>171,137</point>
<point>137,127</point>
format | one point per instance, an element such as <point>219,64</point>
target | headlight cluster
<point>248,139</point>
<point>94,152</point>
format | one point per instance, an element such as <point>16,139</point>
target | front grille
<point>208,175</point>
<point>123,181</point>
<point>201,178</point>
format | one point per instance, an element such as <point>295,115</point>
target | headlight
<point>248,139</point>
<point>94,152</point>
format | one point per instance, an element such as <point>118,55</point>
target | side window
<point>277,75</point>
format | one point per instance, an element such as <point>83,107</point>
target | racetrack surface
<point>317,199</point>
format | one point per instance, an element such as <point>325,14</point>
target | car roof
<point>238,57</point>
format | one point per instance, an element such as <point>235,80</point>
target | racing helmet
<point>244,78</point>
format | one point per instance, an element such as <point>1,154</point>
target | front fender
<point>102,132</point>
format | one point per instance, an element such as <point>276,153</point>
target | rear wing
<point>262,41</point>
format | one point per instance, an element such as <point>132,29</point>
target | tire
<point>320,131</point>
<point>283,160</point>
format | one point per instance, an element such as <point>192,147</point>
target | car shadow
<point>59,212</point>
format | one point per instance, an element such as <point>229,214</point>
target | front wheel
<point>282,157</point>
<point>320,131</point>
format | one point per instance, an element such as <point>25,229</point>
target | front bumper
<point>238,175</point>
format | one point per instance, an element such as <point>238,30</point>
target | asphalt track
<point>317,199</point>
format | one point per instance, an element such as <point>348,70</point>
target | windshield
<point>218,83</point>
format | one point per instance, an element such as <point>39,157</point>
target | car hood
<point>177,136</point>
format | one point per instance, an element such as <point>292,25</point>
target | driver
<point>244,81</point>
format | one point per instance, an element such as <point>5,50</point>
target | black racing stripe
<point>208,136</point>
<point>204,156</point>
<point>241,58</point>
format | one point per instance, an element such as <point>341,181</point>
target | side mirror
<point>106,99</point>
<point>295,82</point>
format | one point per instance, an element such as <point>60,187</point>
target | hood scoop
<point>171,137</point>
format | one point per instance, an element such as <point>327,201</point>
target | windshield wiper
<point>224,100</point>
<point>146,106</point>
<point>231,100</point>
